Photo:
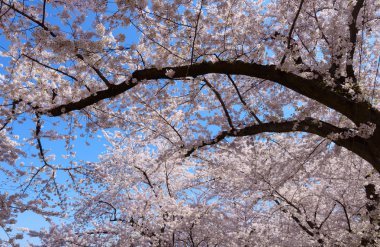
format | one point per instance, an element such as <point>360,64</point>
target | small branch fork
<point>151,185</point>
<point>242,100</point>
<point>114,217</point>
<point>9,119</point>
<point>311,228</point>
<point>41,153</point>
<point>346,215</point>
<point>219,97</point>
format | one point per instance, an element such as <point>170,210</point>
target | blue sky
<point>84,152</point>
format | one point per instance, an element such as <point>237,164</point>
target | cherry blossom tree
<point>228,123</point>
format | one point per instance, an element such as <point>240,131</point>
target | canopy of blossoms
<point>226,122</point>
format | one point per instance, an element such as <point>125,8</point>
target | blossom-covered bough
<point>230,123</point>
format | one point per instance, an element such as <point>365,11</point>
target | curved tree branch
<point>316,89</point>
<point>355,144</point>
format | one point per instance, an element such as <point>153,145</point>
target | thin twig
<point>375,80</point>
<point>242,99</point>
<point>195,33</point>
<point>291,30</point>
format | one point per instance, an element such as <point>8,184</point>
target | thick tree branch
<point>356,144</point>
<point>309,125</point>
<point>353,29</point>
<point>358,112</point>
